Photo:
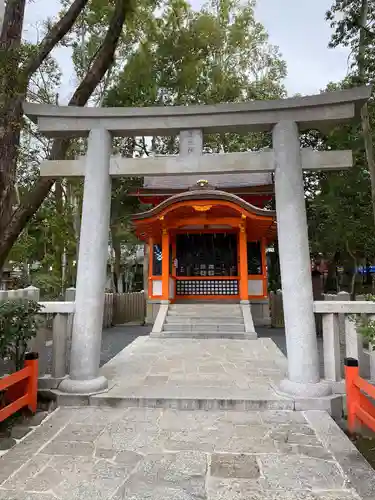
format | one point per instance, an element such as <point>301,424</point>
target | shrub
<point>19,323</point>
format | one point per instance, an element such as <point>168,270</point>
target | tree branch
<point>11,31</point>
<point>105,56</point>
<point>35,197</point>
<point>53,37</point>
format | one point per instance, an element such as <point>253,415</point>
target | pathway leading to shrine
<point>196,374</point>
<point>192,374</point>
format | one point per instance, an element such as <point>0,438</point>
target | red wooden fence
<point>21,388</point>
<point>358,392</point>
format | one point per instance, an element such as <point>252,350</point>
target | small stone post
<point>343,296</point>
<point>303,363</point>
<point>32,293</point>
<point>91,273</point>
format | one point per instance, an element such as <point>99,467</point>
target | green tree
<point>353,22</point>
<point>217,54</point>
<point>18,63</point>
<point>339,204</point>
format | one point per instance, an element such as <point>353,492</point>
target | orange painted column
<point>353,394</point>
<point>150,266</point>
<point>31,361</point>
<point>174,252</point>
<point>165,265</point>
<point>263,248</point>
<point>244,287</point>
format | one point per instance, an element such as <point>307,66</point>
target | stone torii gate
<point>285,118</point>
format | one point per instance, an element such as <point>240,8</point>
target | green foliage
<point>169,53</point>
<point>365,325</point>
<point>345,17</point>
<point>40,246</point>
<point>217,54</point>
<point>339,205</point>
<point>18,325</point>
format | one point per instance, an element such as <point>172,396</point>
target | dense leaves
<point>18,325</point>
<point>340,205</point>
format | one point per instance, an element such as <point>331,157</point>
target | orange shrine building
<point>207,239</point>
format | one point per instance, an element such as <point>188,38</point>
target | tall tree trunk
<point>365,119</point>
<point>2,11</point>
<point>10,104</point>
<point>14,79</point>
<point>35,197</point>
<point>59,245</point>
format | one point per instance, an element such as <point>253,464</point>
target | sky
<point>297,27</point>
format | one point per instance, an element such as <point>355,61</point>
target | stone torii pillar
<point>92,269</point>
<point>294,255</point>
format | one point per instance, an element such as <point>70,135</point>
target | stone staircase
<point>206,321</point>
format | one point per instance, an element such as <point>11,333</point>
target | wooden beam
<point>200,165</point>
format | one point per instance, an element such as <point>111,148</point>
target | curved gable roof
<point>204,194</point>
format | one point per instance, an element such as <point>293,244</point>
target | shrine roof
<point>206,193</point>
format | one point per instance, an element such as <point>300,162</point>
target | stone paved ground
<point>192,369</point>
<point>163,454</point>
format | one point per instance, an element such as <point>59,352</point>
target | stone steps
<point>204,307</point>
<point>208,320</point>
<point>207,327</point>
<point>205,321</point>
<point>181,403</point>
<point>206,313</point>
<point>180,334</point>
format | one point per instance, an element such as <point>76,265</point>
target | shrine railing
<point>20,389</point>
<point>358,394</point>
<point>207,286</point>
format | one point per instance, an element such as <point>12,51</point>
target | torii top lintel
<point>321,112</point>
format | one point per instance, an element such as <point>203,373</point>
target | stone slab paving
<point>164,454</point>
<point>196,373</point>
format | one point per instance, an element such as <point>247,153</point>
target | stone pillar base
<point>92,386</point>
<point>303,390</point>
<point>152,309</point>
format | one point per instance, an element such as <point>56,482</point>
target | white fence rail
<point>62,313</point>
<point>30,293</point>
<point>340,330</point>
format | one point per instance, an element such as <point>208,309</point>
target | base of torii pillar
<point>86,387</point>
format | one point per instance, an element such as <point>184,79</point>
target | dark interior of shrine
<point>209,254</point>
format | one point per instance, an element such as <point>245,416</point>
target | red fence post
<point>352,391</point>
<point>31,360</point>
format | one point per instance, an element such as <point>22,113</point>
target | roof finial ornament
<point>201,184</point>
